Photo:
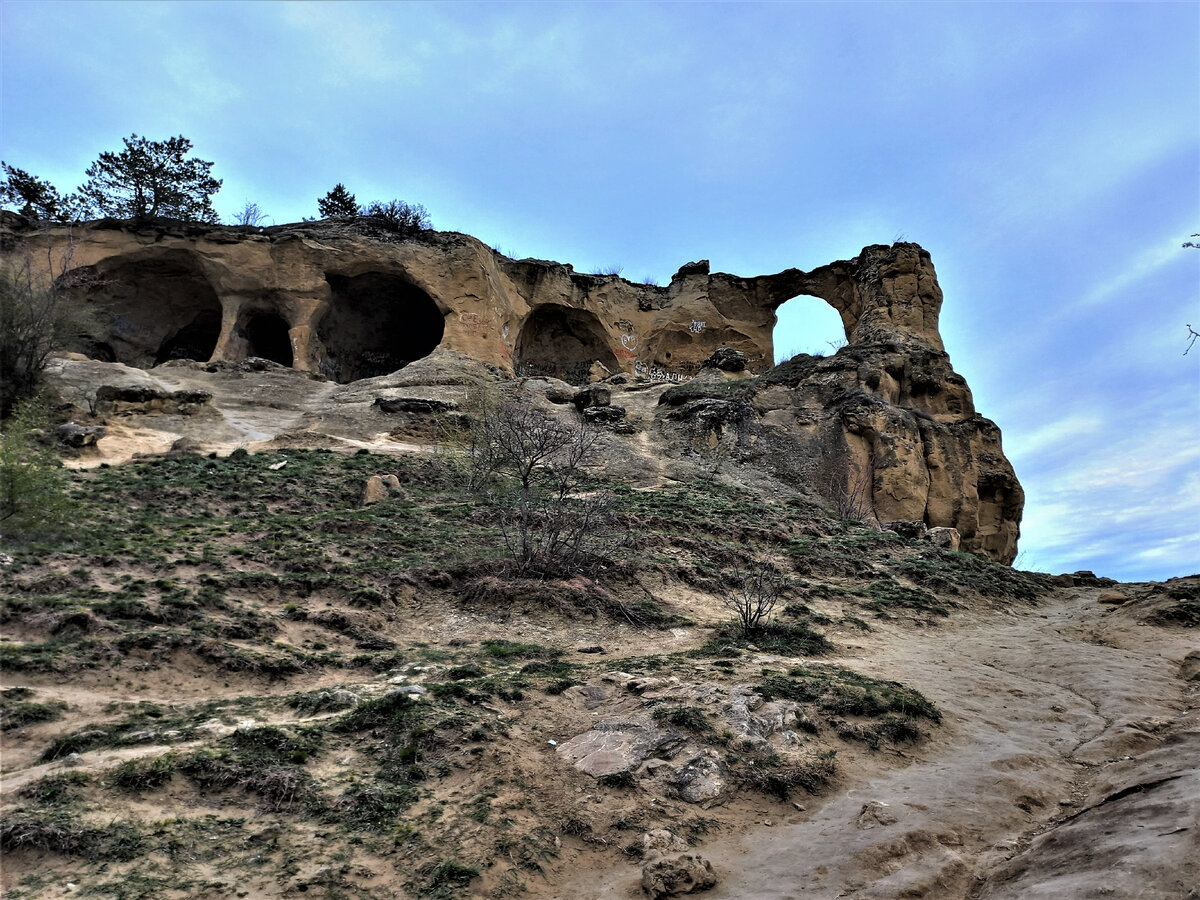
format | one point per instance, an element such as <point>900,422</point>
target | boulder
<point>677,873</point>
<point>1113,598</point>
<point>727,360</point>
<point>946,538</point>
<point>75,435</point>
<point>379,487</point>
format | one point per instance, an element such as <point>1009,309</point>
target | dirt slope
<point>1069,767</point>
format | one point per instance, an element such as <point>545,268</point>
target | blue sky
<point>1046,154</point>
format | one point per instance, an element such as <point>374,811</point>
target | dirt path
<point>1068,766</point>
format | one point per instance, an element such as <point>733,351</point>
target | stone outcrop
<point>883,429</point>
<point>350,301</point>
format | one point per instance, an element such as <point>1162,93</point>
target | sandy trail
<point>1049,711</point>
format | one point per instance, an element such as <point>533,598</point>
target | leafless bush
<point>854,498</point>
<point>754,601</point>
<point>250,215</point>
<point>531,465</point>
<point>37,315</point>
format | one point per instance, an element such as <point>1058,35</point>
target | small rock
<point>874,813</point>
<point>700,778</point>
<point>591,650</point>
<point>660,841</point>
<point>678,873</point>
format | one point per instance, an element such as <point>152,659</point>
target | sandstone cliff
<point>884,428</point>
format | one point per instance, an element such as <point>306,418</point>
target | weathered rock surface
<point>615,747</point>
<point>700,778</point>
<point>884,429</point>
<point>678,873</point>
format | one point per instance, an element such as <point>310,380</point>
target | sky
<point>1046,154</point>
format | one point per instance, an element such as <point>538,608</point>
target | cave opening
<point>196,340</point>
<point>562,342</point>
<point>138,303</point>
<point>807,325</point>
<point>267,337</point>
<point>377,323</point>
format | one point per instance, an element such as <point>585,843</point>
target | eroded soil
<point>1068,767</point>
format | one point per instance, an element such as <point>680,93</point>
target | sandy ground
<point>1068,767</point>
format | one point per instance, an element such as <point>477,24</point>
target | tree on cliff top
<point>152,178</point>
<point>338,202</point>
<point>37,199</point>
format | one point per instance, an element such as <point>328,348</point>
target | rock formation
<point>885,428</point>
<point>352,302</point>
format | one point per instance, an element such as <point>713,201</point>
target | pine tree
<point>338,202</point>
<point>152,178</point>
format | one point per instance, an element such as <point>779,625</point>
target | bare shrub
<point>854,498</point>
<point>531,465</point>
<point>754,601</point>
<point>250,215</point>
<point>37,315</point>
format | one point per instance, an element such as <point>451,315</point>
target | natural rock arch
<point>152,308</point>
<point>562,342</point>
<point>376,323</point>
<point>807,324</point>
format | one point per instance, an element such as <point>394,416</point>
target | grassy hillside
<point>231,678</point>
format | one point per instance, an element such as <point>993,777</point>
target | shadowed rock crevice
<point>196,340</point>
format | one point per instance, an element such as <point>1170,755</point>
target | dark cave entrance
<point>377,323</point>
<point>196,340</point>
<point>139,303</point>
<point>267,337</point>
<point>562,342</point>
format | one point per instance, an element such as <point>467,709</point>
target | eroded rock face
<point>884,429</point>
<point>353,302</point>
